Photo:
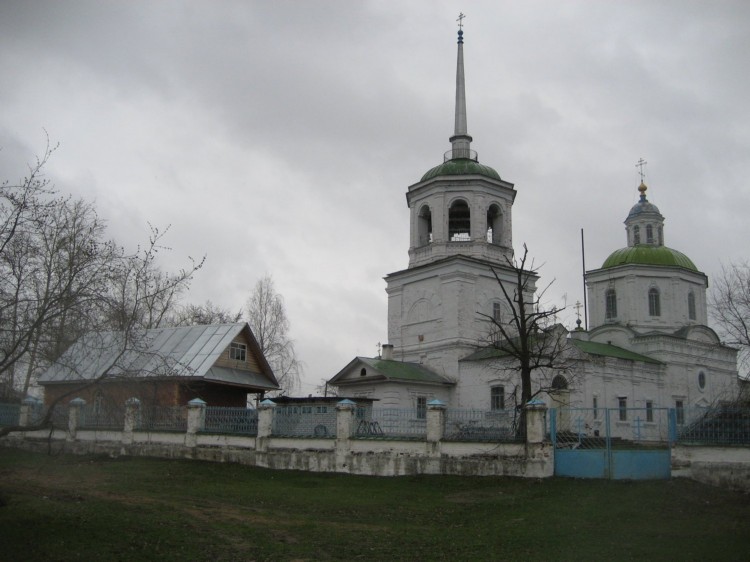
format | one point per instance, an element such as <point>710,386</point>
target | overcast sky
<point>280,137</point>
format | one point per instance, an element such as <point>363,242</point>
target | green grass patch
<point>86,508</point>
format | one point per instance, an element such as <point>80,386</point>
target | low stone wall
<point>351,456</point>
<point>726,467</point>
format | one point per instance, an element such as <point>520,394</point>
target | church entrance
<point>615,443</point>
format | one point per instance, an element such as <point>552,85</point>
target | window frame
<point>421,407</point>
<point>610,304</point>
<point>238,351</point>
<point>622,408</point>
<point>654,302</point>
<point>497,398</point>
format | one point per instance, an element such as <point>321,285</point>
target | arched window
<point>459,222</point>
<point>610,298</point>
<point>559,383</point>
<point>654,304</point>
<point>362,372</point>
<point>494,225</point>
<point>636,234</point>
<point>691,305</point>
<point>649,234</point>
<point>424,226</point>
<point>661,236</point>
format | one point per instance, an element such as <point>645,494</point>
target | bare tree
<point>524,336</point>
<point>270,325</point>
<point>730,308</point>
<point>206,313</point>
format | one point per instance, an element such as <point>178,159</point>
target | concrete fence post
<point>28,408</point>
<point>435,421</point>
<point>132,419</point>
<point>265,424</point>
<point>196,421</point>
<point>536,413</point>
<point>344,424</point>
<point>75,413</point>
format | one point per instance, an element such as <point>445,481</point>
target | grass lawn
<point>97,508</point>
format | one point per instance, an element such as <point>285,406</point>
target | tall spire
<point>460,141</point>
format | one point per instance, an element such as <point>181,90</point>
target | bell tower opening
<point>459,222</point>
<point>494,225</point>
<point>424,226</point>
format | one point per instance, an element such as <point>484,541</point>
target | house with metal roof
<point>218,363</point>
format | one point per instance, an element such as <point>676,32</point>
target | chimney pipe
<point>387,353</point>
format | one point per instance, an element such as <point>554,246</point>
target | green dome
<point>645,254</point>
<point>460,167</point>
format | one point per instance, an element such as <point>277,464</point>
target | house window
<point>701,380</point>
<point>679,408</point>
<point>321,410</point>
<point>649,411</point>
<point>636,234</point>
<point>622,404</point>
<point>596,407</point>
<point>691,305</point>
<point>610,298</point>
<point>237,351</point>
<point>497,398</point>
<point>654,305</point>
<point>421,407</point>
<point>360,413</point>
<point>307,409</point>
<point>649,234</point>
<point>362,372</point>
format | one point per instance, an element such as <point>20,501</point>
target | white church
<point>647,344</point>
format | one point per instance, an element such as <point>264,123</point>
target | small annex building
<point>219,363</point>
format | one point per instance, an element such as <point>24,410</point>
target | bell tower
<point>460,238</point>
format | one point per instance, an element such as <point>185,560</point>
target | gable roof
<point>185,352</point>
<point>397,371</point>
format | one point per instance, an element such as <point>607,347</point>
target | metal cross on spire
<point>460,19</point>
<point>641,163</point>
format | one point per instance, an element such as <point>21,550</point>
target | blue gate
<point>616,443</point>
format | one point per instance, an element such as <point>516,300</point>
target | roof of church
<point>403,371</point>
<point>592,348</point>
<point>460,167</point>
<point>609,350</point>
<point>646,254</point>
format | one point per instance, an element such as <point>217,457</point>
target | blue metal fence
<point>304,421</point>
<point>162,418</point>
<point>392,423</point>
<point>98,416</point>
<point>717,425</point>
<point>9,414</point>
<point>242,421</point>
<point>481,425</point>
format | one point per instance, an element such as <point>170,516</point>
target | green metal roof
<point>403,371</point>
<point>645,254</point>
<point>461,167</point>
<point>608,350</point>
<point>592,348</point>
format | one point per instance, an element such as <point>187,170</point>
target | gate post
<point>265,424</point>
<point>535,411</point>
<point>75,408</point>
<point>196,421</point>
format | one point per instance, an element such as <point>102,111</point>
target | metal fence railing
<point>597,428</point>
<point>304,421</point>
<point>98,416</point>
<point>393,423</point>
<point>10,414</point>
<point>481,425</point>
<point>242,421</point>
<point>162,418</point>
<point>717,425</point>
